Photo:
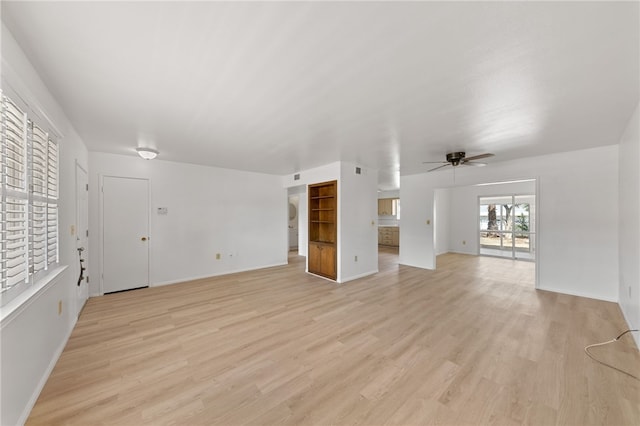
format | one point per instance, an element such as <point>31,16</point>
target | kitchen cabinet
<point>389,236</point>
<point>385,207</point>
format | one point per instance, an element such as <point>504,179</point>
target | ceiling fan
<point>459,158</point>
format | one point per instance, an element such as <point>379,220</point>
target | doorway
<point>82,236</point>
<point>125,238</point>
<point>294,205</point>
<point>507,226</point>
<point>297,229</point>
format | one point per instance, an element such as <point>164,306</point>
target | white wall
<point>442,220</point>
<point>211,210</point>
<point>34,335</point>
<point>577,254</point>
<point>358,222</point>
<point>303,224</point>
<point>629,222</point>
<point>464,212</point>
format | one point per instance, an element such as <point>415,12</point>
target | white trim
<point>577,293</point>
<point>466,253</point>
<point>355,277</point>
<point>631,325</point>
<point>204,277</point>
<point>23,300</point>
<point>413,265</point>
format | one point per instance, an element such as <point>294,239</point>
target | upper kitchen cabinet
<point>388,206</point>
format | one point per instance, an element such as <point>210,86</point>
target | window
<point>507,226</point>
<point>29,198</point>
<point>395,208</point>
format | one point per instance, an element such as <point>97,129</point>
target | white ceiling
<point>283,87</point>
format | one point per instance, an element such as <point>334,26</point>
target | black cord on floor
<point>586,349</point>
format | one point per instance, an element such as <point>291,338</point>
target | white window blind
<point>29,206</point>
<point>52,233</point>
<point>14,146</point>
<point>14,195</point>
<point>14,242</point>
<point>52,202</point>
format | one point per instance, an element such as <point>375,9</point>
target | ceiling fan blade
<point>439,167</point>
<point>473,163</point>
<point>435,162</point>
<point>477,157</point>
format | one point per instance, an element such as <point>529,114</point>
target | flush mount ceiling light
<point>147,153</point>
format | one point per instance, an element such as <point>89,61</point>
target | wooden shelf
<point>323,229</point>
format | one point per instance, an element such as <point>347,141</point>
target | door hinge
<point>87,280</point>
<point>87,233</point>
<point>87,187</point>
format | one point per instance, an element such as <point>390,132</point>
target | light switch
<point>428,222</point>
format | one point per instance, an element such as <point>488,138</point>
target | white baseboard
<point>202,277</point>
<point>577,293</point>
<point>355,277</point>
<point>632,326</point>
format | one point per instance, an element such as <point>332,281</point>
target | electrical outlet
<point>218,256</point>
<point>464,242</point>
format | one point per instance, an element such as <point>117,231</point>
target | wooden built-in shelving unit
<point>323,225</point>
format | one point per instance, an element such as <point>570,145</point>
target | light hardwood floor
<point>470,343</point>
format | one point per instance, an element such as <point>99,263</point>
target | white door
<point>82,237</point>
<point>125,203</point>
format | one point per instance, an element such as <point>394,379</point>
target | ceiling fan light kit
<point>459,158</point>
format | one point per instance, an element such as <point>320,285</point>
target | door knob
<point>143,239</point>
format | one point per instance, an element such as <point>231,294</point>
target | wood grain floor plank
<point>469,343</point>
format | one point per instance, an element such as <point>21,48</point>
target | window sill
<point>29,295</point>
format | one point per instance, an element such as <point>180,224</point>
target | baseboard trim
<point>202,277</point>
<point>631,326</point>
<point>355,277</point>
<point>576,293</point>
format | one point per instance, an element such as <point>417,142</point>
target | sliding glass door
<point>507,226</point>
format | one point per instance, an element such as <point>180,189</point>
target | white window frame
<point>36,191</point>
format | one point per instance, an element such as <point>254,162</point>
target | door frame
<point>82,294</point>
<point>513,256</point>
<point>101,178</point>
